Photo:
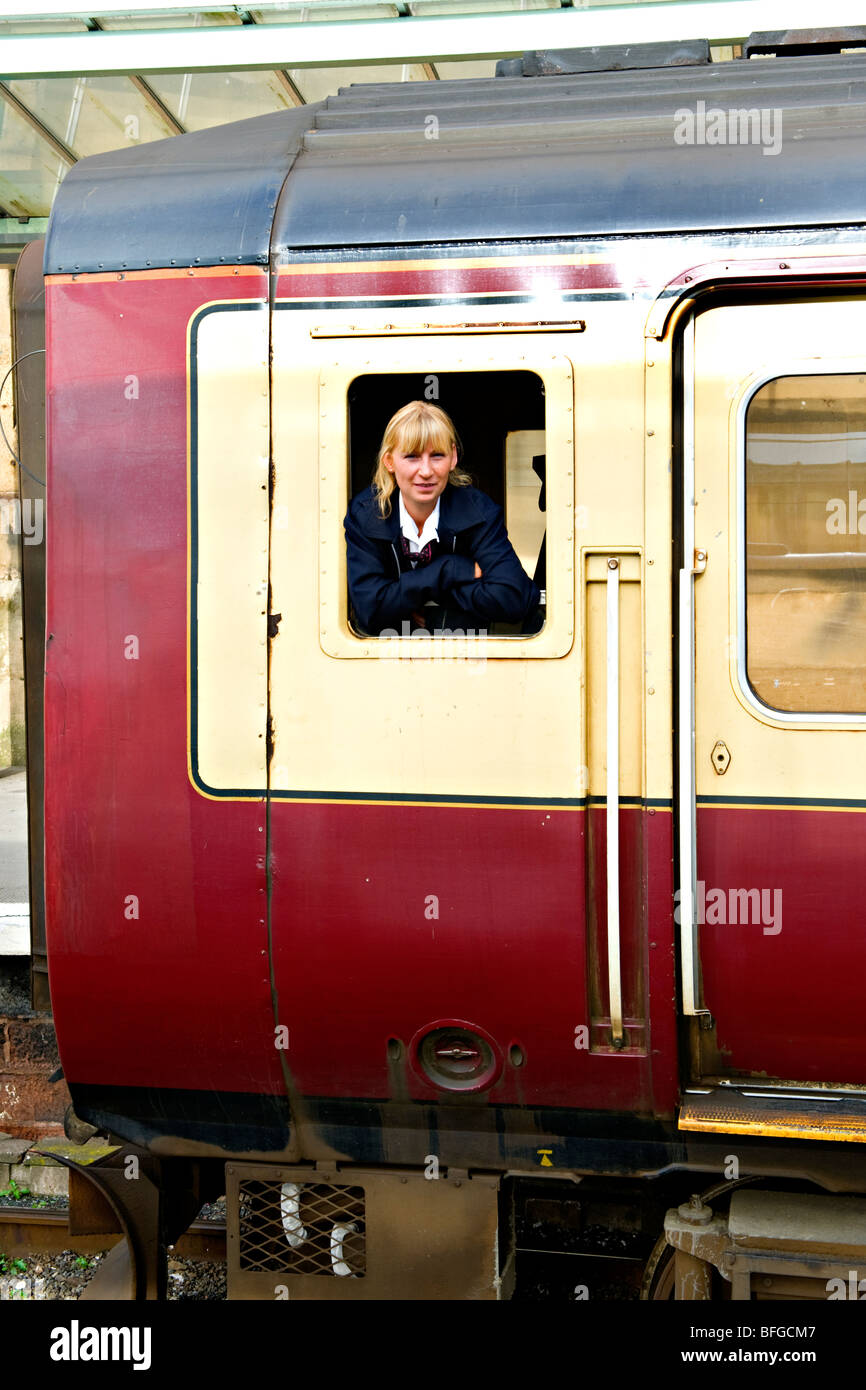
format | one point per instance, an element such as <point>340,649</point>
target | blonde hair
<point>415,427</point>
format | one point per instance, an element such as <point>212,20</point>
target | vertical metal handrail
<point>614,971</point>
<point>686,703</point>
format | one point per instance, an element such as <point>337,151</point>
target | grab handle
<point>614,969</point>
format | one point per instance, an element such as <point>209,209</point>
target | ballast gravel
<point>65,1276</point>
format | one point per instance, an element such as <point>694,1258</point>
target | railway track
<point>28,1231</point>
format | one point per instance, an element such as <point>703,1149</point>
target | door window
<point>805,519</point>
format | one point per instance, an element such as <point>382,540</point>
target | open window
<point>499,417</point>
<point>367,718</point>
<point>511,398</point>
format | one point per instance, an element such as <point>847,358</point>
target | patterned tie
<point>417,557</point>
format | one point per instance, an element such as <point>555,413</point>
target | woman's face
<point>421,477</point>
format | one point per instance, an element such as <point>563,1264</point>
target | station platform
<point>14,892</point>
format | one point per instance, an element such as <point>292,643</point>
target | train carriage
<point>416,947</point>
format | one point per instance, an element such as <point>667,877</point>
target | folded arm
<point>381,599</point>
<point>504,592</point>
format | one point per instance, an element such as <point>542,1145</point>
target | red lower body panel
<point>783,943</point>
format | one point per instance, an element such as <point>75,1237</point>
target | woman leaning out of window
<point>440,558</point>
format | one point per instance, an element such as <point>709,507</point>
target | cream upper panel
<point>503,719</point>
<point>228,544</point>
<point>795,754</point>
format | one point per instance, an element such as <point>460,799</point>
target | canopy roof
<point>76,82</point>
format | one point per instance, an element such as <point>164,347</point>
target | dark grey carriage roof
<point>207,197</point>
<point>590,154</point>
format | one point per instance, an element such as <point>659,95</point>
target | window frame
<point>802,719</point>
<point>446,353</point>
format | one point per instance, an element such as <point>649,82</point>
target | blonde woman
<point>425,546</point>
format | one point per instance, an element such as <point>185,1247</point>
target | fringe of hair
<point>412,429</point>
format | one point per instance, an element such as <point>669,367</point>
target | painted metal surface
<point>814,40</point>
<point>329,927</point>
<point>592,154</point>
<point>154,893</point>
<point>607,58</point>
<point>820,1116</point>
<point>507,955</point>
<point>480,876</point>
<point>324,911</point>
<point>595,154</point>
<point>367,1234</point>
<point>778,838</point>
<point>793,267</point>
<point>229,515</point>
<point>807,1024</point>
<point>247,915</point>
<point>215,190</point>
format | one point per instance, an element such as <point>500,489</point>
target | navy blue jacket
<point>471,530</point>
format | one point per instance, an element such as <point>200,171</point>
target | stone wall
<point>30,1104</point>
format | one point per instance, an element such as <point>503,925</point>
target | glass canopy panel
<point>315,84</point>
<point>203,99</point>
<point>443,7</point>
<point>42,26</point>
<point>303,14</point>
<point>200,100</point>
<point>91,114</point>
<point>168,21</point>
<point>29,169</point>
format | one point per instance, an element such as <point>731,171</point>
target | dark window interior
<point>485,407</point>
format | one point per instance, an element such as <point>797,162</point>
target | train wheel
<point>658,1276</point>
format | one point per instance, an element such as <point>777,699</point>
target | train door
<point>774,584</point>
<point>427,798</point>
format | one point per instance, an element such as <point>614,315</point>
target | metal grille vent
<point>302,1228</point>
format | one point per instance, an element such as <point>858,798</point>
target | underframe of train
<point>323,1231</point>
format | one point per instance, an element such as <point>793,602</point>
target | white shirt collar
<point>429,531</point>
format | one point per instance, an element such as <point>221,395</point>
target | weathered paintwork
<point>158,895</point>
<point>186,929</point>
